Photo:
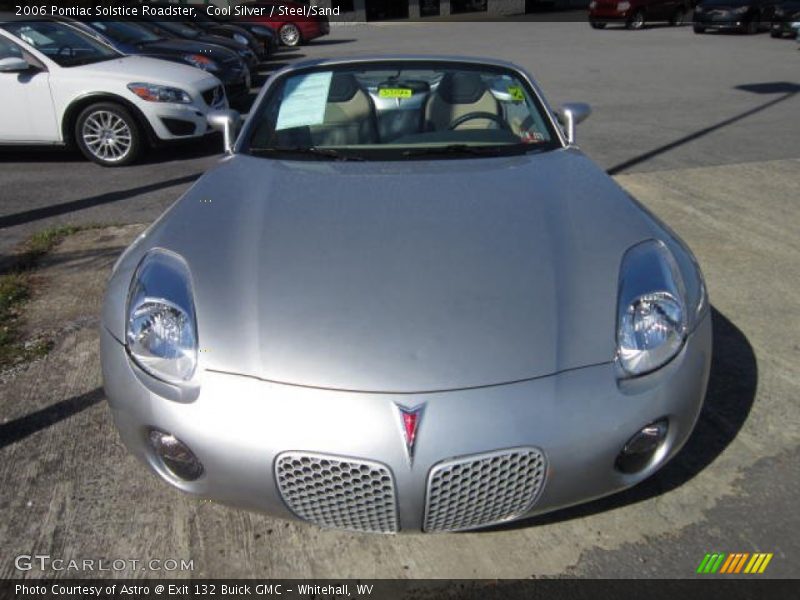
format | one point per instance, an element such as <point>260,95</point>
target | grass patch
<point>15,289</point>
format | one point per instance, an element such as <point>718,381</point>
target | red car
<point>295,22</point>
<point>635,13</point>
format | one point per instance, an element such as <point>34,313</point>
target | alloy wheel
<point>107,136</point>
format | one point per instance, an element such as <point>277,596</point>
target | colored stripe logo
<point>734,563</point>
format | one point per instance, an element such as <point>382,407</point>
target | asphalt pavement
<point>702,129</point>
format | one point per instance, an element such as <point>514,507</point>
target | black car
<point>210,26</point>
<point>785,14</point>
<point>132,38</point>
<point>746,16</point>
<point>190,31</point>
<point>234,32</point>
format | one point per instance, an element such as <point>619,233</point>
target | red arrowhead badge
<point>409,419</point>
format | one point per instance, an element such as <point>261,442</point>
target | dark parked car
<point>189,31</point>
<point>783,16</point>
<point>229,31</point>
<point>634,14</point>
<point>288,20</point>
<point>746,16</point>
<point>262,40</point>
<point>132,38</point>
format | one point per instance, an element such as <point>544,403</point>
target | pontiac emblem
<point>409,421</point>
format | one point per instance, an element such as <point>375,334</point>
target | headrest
<point>461,88</point>
<point>343,87</point>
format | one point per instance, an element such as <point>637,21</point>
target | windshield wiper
<point>309,150</point>
<point>454,149</point>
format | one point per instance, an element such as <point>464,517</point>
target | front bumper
<point>580,420</point>
<point>609,15</point>
<point>720,20</point>
<point>177,121</point>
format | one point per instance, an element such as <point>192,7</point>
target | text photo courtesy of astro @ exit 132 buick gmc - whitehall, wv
<point>399,299</point>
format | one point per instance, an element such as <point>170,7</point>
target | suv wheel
<point>108,134</point>
<point>636,20</point>
<point>290,35</point>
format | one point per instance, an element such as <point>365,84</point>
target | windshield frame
<point>93,42</point>
<point>400,153</point>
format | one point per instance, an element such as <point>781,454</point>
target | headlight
<point>201,62</point>
<point>652,316</point>
<point>159,93</point>
<point>161,326</point>
<point>262,31</point>
<point>240,38</point>
<point>622,6</point>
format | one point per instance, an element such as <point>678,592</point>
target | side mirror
<point>570,115</point>
<point>226,121</point>
<point>13,65</point>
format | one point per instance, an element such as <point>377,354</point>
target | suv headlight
<point>152,92</point>
<point>652,312</point>
<point>161,325</point>
<point>201,62</point>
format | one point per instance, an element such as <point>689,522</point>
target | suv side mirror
<point>13,65</point>
<point>570,115</point>
<point>226,121</point>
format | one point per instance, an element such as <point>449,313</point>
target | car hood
<point>404,276</point>
<point>146,69</point>
<point>181,47</point>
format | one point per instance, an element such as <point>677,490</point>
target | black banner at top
<point>333,11</point>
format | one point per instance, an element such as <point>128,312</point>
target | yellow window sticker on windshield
<point>395,93</point>
<point>516,92</point>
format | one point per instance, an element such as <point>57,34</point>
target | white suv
<point>60,86</point>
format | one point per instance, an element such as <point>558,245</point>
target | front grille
<point>483,489</point>
<point>215,97</point>
<point>338,492</point>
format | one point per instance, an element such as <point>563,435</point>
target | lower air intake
<point>338,492</point>
<point>483,489</point>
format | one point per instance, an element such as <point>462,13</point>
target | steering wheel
<point>480,115</point>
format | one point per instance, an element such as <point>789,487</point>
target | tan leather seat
<point>459,94</point>
<point>350,116</point>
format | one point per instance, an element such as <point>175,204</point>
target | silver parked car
<point>405,300</point>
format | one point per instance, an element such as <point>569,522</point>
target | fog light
<point>640,449</point>
<point>176,456</point>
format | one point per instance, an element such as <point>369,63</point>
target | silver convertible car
<point>405,301</point>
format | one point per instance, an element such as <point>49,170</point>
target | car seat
<point>459,94</point>
<point>350,115</point>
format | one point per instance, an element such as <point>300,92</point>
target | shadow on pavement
<point>786,89</point>
<point>18,429</point>
<point>66,207</point>
<point>731,391</point>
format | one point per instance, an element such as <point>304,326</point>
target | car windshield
<point>61,43</point>
<point>395,111</point>
<point>127,33</point>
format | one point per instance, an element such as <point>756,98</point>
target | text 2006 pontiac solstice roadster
<point>405,301</point>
